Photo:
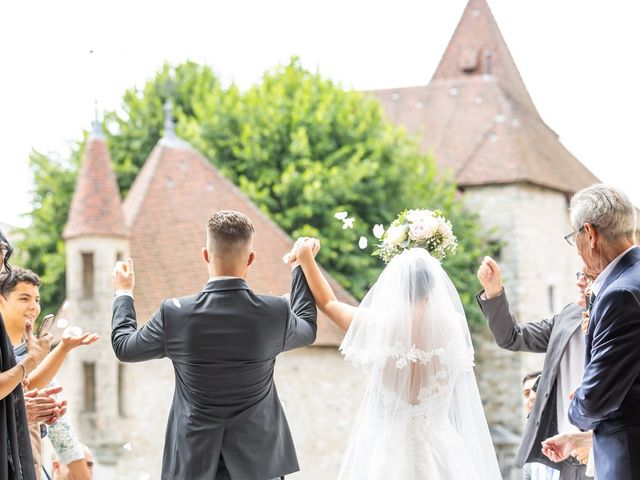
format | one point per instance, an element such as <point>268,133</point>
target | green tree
<point>42,246</point>
<point>301,147</point>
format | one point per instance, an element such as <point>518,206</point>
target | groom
<point>226,420</point>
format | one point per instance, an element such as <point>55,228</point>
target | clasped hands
<point>562,446</point>
<point>43,407</point>
<point>303,246</point>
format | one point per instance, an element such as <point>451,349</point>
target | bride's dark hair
<point>424,280</point>
<point>7,251</point>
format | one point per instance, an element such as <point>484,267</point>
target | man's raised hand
<point>490,277</point>
<point>123,276</point>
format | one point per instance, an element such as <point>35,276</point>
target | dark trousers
<point>570,472</point>
<point>223,473</point>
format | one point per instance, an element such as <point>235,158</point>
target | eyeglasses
<point>581,275</point>
<point>571,238</point>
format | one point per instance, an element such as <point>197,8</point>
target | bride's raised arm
<point>338,312</point>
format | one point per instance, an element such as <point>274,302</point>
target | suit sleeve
<point>301,314</point>
<point>131,344</point>
<point>530,337</point>
<point>614,360</point>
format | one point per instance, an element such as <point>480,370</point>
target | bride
<point>421,416</point>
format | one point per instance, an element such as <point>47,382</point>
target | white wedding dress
<point>421,416</point>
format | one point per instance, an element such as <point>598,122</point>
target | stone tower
<point>483,128</point>
<point>95,237</point>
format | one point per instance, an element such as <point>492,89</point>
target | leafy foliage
<point>297,144</point>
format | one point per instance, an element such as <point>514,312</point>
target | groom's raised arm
<point>131,344</point>
<point>302,313</point>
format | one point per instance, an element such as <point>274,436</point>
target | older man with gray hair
<point>608,400</point>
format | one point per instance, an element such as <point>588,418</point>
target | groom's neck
<point>227,272</point>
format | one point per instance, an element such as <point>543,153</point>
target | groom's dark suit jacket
<point>223,343</point>
<point>608,401</point>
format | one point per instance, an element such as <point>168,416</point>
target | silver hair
<point>607,208</point>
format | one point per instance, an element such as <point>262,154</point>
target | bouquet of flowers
<point>416,228</point>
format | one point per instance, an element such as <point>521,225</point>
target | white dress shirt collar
<point>600,279</point>
<point>212,279</point>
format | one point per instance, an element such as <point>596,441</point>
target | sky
<point>576,58</point>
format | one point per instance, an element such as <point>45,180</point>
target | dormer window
<point>468,61</point>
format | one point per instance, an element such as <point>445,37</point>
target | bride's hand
<point>304,246</point>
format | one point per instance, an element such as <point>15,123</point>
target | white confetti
<point>363,242</point>
<point>341,215</point>
<point>348,223</point>
<point>127,446</point>
<point>378,231</point>
<point>72,332</point>
<point>176,302</point>
<point>62,323</point>
<point>65,305</point>
<point>286,257</point>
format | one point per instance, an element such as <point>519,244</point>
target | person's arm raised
<point>44,373</point>
<point>338,312</point>
<point>129,343</point>
<point>509,334</point>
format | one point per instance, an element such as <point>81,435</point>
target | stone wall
<point>101,429</point>
<point>539,276</point>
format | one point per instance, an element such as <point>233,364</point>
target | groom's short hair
<point>229,231</point>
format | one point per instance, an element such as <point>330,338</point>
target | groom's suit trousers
<point>223,473</point>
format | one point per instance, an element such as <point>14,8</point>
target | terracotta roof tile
<point>478,48</point>
<point>96,207</point>
<point>168,208</point>
<point>483,129</point>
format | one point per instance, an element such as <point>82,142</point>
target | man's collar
<point>217,284</point>
<point>600,280</point>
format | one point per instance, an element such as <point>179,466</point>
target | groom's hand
<point>490,278</point>
<point>123,276</point>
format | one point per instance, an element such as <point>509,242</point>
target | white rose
<point>396,235</point>
<point>423,229</point>
<point>418,215</point>
<point>341,215</point>
<point>378,231</point>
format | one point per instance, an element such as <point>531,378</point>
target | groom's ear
<point>205,255</point>
<point>252,257</point>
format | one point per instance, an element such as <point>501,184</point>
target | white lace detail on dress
<point>461,356</point>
